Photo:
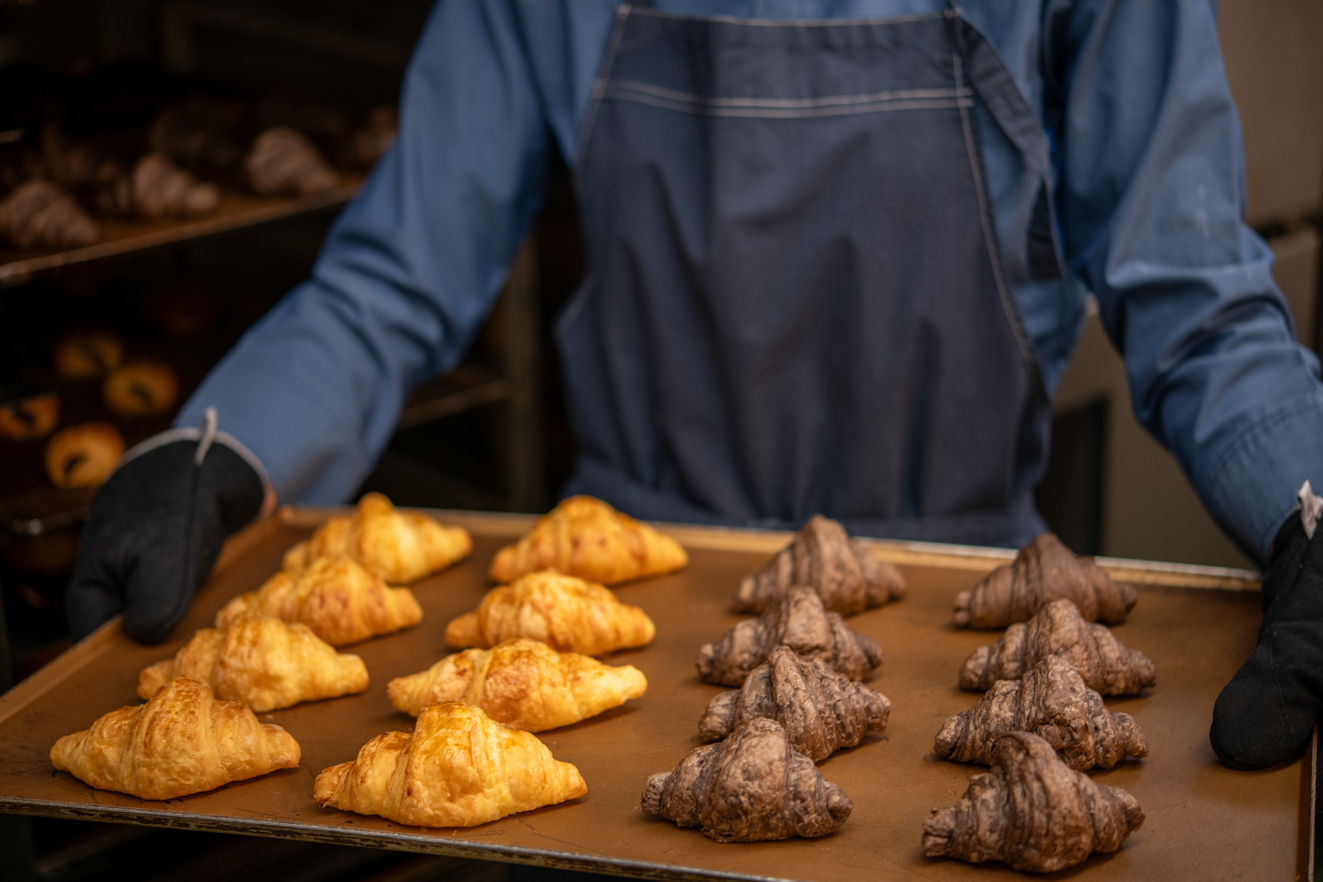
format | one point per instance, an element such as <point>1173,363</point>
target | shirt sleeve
<point>408,271</point>
<point>1151,193</point>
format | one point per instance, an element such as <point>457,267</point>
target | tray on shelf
<point>1203,821</point>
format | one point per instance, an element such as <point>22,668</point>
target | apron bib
<point>795,303</point>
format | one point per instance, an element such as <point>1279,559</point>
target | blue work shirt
<point>1148,199</point>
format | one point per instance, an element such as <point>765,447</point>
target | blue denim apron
<point>795,301</point>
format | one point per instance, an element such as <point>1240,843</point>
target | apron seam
<point>796,23</point>
<point>797,113</point>
<point>791,103</point>
<point>600,86</point>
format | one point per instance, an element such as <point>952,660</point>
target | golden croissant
<point>1051,701</point>
<point>847,576</point>
<point>398,546</point>
<point>458,769</point>
<point>339,600</point>
<point>1104,663</point>
<point>1043,571</point>
<point>587,538</point>
<point>523,684</point>
<point>261,662</point>
<point>565,612</point>
<point>1032,812</point>
<point>182,741</point>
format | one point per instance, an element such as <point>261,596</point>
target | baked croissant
<point>1051,701</point>
<point>750,787</point>
<point>847,576</point>
<point>795,619</point>
<point>182,741</point>
<point>339,600</point>
<point>397,546</point>
<point>40,214</point>
<point>523,684</point>
<point>1104,662</point>
<point>458,769</point>
<point>821,710</point>
<point>261,662</point>
<point>587,538</point>
<point>565,612</point>
<point>1043,571</point>
<point>1032,812</point>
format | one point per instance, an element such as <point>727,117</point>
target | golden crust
<point>80,355</point>
<point>458,769</point>
<point>30,417</point>
<point>565,612</point>
<point>141,388</point>
<point>182,741</point>
<point>399,546</point>
<point>587,538</point>
<point>83,456</point>
<point>339,600</point>
<point>522,684</point>
<point>261,662</point>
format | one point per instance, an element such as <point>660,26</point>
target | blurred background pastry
<point>83,456</point>
<point>142,387</point>
<point>88,353</point>
<point>28,417</point>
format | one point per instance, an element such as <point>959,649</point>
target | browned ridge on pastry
<point>457,769</point>
<point>261,662</point>
<point>565,612</point>
<point>398,546</point>
<point>821,710</point>
<point>795,619</point>
<point>752,786</point>
<point>1053,703</point>
<point>1032,812</point>
<point>1043,571</point>
<point>587,538</point>
<point>847,576</point>
<point>182,741</point>
<point>522,684</point>
<point>339,600</point>
<point>1104,663</point>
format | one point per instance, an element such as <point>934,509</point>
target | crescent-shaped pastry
<point>523,684</point>
<point>339,600</point>
<point>261,662</point>
<point>182,741</point>
<point>398,546</point>
<point>567,613</point>
<point>587,538</point>
<point>458,769</point>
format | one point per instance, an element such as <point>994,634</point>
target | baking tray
<point>1203,821</point>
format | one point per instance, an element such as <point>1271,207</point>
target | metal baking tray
<point>1203,821</point>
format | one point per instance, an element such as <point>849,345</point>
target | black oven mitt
<point>1266,714</point>
<point>154,533</point>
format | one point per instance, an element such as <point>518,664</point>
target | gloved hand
<point>1267,712</point>
<point>154,533</point>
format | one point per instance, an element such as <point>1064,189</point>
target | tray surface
<point>1203,821</point>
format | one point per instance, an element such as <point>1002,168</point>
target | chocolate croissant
<point>847,576</point>
<point>1103,662</point>
<point>523,684</point>
<point>566,613</point>
<point>1032,812</point>
<point>1051,701</point>
<point>457,769</point>
<point>261,662</point>
<point>182,741</point>
<point>339,600</point>
<point>797,620</point>
<point>1043,571</point>
<point>822,711</point>
<point>587,538</point>
<point>752,786</point>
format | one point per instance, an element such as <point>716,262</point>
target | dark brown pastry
<point>821,710</point>
<point>847,576</point>
<point>284,162</point>
<point>30,417</point>
<point>42,214</point>
<point>83,456</point>
<point>1043,571</point>
<point>796,619</point>
<point>1058,629</point>
<point>83,354</point>
<point>1052,702</point>
<point>141,388</point>
<point>1031,812</point>
<point>752,786</point>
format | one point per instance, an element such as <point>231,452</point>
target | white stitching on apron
<point>798,23</point>
<point>599,84</point>
<point>805,113</point>
<point>787,103</point>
